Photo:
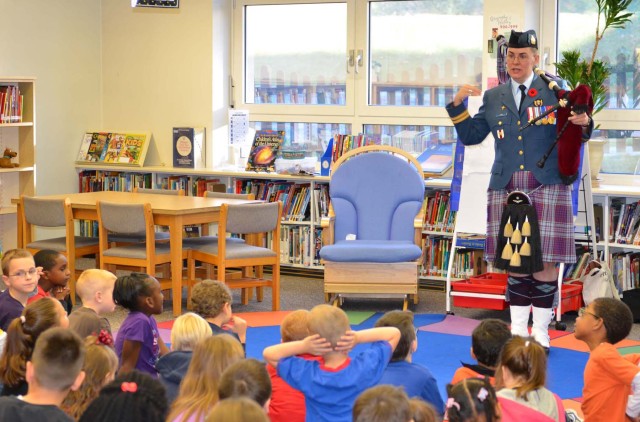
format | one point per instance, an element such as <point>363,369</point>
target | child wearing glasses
<point>611,382</point>
<point>20,275</point>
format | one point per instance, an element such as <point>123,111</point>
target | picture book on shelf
<point>437,159</point>
<point>114,148</point>
<point>264,150</point>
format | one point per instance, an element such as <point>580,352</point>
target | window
<point>345,66</point>
<point>620,120</point>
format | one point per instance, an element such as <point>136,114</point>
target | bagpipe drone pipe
<point>569,137</point>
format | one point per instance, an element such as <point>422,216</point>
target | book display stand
<point>114,148</point>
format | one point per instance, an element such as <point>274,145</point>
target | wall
<point>158,71</point>
<point>60,46</point>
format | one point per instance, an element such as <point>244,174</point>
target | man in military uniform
<point>505,109</point>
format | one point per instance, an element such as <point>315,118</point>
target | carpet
<point>444,341</point>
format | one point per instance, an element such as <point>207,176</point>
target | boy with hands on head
<point>332,384</point>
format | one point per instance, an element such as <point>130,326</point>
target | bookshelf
<point>618,203</point>
<point>19,134</point>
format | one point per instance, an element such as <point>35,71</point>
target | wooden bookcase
<point>20,136</point>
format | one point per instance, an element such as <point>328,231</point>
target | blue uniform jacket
<point>515,150</point>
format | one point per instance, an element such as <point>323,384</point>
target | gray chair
<point>132,219</point>
<point>160,235</point>
<point>254,220</point>
<point>42,212</point>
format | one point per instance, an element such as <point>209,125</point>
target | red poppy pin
<point>532,92</point>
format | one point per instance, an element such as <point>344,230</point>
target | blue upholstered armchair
<point>372,235</point>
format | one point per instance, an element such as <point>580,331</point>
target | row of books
<point>414,96</point>
<point>625,268</point>
<point>300,95</point>
<point>298,247</point>
<point>298,199</point>
<point>438,215</point>
<point>626,220</point>
<point>10,104</point>
<point>435,259</point>
<point>345,143</point>
<point>98,180</point>
<point>192,185</point>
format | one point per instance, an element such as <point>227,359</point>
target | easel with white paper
<point>471,217</point>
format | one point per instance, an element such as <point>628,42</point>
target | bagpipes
<point>569,138</point>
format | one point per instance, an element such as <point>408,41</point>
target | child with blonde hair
<point>188,330</point>
<point>520,383</point>
<point>331,386</point>
<point>237,409</point>
<point>287,403</point>
<point>95,289</point>
<point>100,366</point>
<point>421,411</point>
<point>199,388</point>
<point>21,339</point>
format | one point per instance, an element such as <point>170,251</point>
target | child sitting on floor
<point>211,299</point>
<point>416,379</point>
<point>473,400</point>
<point>138,343</point>
<point>20,275</point>
<point>383,403</point>
<point>331,386</point>
<point>100,366</point>
<point>246,378</point>
<point>287,403</point>
<point>131,397</point>
<point>188,330</point>
<point>237,409</point>
<point>611,382</point>
<point>95,288</point>
<point>199,389</point>
<point>487,340</point>
<point>54,278</point>
<point>21,338</point>
<point>520,380</point>
<point>54,369</point>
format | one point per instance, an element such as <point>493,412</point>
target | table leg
<point>175,232</point>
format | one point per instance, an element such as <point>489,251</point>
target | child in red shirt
<point>54,278</point>
<point>287,403</point>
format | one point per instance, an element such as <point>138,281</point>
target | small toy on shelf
<point>5,160</point>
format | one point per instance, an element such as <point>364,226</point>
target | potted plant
<point>575,69</point>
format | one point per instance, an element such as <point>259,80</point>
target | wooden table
<point>168,210</point>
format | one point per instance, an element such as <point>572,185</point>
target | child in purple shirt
<point>138,343</point>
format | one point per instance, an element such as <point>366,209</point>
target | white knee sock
<point>541,319</point>
<point>520,320</point>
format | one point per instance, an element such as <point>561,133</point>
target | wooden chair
<point>55,213</point>
<point>132,219</point>
<point>254,220</point>
<point>372,235</point>
<point>160,235</point>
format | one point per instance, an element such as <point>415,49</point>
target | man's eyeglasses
<point>23,274</point>
<point>583,311</point>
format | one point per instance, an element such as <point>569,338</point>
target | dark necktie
<point>523,90</point>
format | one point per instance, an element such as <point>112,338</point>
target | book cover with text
<point>264,150</point>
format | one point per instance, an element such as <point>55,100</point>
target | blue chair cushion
<point>371,251</point>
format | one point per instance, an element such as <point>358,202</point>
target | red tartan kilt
<point>555,217</point>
